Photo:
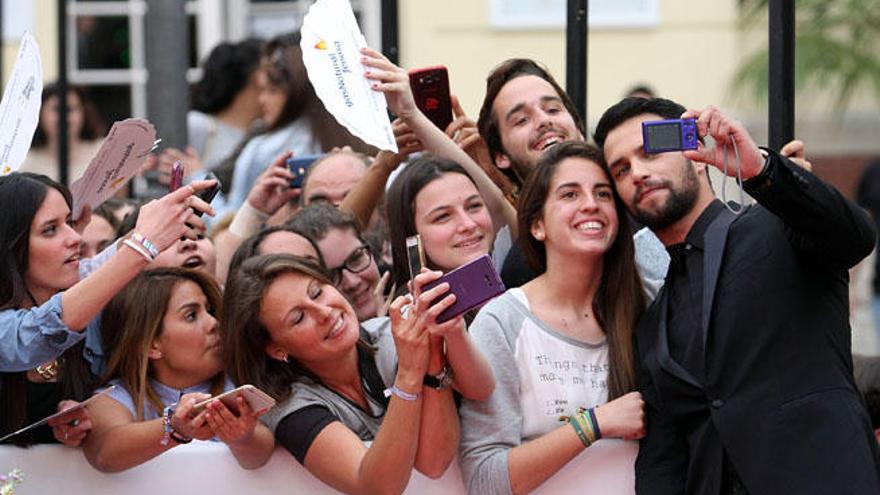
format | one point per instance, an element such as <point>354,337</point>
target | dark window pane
<point>103,42</point>
<point>113,102</point>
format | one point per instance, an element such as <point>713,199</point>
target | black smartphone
<point>473,284</point>
<point>430,88</point>
<point>207,195</point>
<point>299,167</point>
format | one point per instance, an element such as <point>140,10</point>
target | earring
<point>539,236</point>
<point>284,357</point>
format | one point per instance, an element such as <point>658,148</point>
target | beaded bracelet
<point>138,249</point>
<point>393,390</point>
<point>143,241</point>
<point>168,431</point>
<point>166,424</point>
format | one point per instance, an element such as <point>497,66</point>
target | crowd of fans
<point>306,293</point>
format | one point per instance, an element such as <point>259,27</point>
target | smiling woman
<point>290,332</point>
<point>577,317</point>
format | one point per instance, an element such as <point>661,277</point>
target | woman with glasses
<point>348,258</point>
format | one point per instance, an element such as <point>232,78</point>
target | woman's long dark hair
<point>620,299</point>
<point>400,208</point>
<point>21,195</point>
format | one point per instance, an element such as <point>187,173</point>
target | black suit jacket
<point>778,395</point>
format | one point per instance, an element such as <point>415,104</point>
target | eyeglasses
<point>358,261</point>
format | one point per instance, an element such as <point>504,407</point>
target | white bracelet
<point>247,221</point>
<point>393,390</point>
<point>138,249</point>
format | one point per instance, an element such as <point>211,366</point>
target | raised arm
<point>269,194</point>
<point>821,221</point>
<point>162,222</point>
<point>394,82</point>
<point>339,458</point>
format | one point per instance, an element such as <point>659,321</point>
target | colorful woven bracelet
<point>595,422</point>
<point>584,423</point>
<point>572,420</point>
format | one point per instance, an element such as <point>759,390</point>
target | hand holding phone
<point>473,284</point>
<point>259,401</point>
<point>207,195</point>
<point>430,89</point>
<point>299,167</point>
<point>415,255</point>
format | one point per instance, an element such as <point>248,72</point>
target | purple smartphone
<point>473,284</point>
<point>176,176</point>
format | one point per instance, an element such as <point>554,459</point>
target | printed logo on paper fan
<point>321,45</point>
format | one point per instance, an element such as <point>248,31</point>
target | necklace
<point>48,370</point>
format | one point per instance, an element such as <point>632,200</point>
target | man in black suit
<point>745,362</point>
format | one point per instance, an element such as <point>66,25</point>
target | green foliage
<point>837,49</point>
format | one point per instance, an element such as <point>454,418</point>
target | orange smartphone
<point>259,401</point>
<point>430,88</point>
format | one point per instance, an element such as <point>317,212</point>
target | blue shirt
<point>33,336</point>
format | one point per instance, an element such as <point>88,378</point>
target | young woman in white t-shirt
<point>561,344</point>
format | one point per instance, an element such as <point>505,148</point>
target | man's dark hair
<point>227,71</point>
<point>502,74</point>
<point>630,107</point>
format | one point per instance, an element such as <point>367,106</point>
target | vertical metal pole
<point>390,32</point>
<point>167,50</point>
<point>576,55</point>
<point>781,72</point>
<point>63,131</point>
<point>167,60</point>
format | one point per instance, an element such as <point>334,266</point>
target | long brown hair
<point>244,335</point>
<point>620,299</point>
<point>133,320</point>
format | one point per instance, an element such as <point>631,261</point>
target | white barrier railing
<point>209,468</point>
<point>198,468</point>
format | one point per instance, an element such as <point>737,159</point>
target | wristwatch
<point>441,380</point>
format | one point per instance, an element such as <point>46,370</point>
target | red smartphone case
<point>430,88</point>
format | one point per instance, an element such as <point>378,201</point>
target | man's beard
<point>679,203</point>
